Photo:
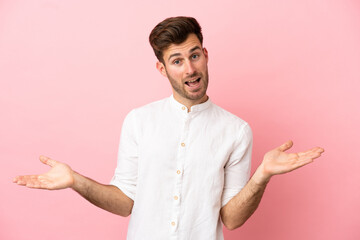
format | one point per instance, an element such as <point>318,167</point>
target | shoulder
<point>145,114</point>
<point>227,117</point>
<point>236,126</point>
<point>149,109</point>
<point>230,123</point>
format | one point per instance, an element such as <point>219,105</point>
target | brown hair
<point>173,30</point>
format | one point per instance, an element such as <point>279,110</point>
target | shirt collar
<point>195,108</point>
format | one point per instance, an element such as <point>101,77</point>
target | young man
<point>183,162</point>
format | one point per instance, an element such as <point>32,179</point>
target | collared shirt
<point>180,168</point>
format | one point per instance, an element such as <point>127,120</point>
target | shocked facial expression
<point>186,68</point>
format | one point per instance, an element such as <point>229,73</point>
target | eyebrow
<point>178,54</point>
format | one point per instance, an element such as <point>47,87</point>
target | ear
<point>160,66</point>
<point>206,54</point>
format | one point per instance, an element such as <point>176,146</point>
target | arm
<point>243,205</point>
<point>61,176</point>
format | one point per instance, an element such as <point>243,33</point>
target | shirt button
<point>183,108</point>
<point>176,197</point>
<point>173,223</point>
<point>178,171</point>
<point>183,144</point>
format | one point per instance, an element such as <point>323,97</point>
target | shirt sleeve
<point>237,169</point>
<point>125,177</point>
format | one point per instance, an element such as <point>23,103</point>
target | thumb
<point>285,146</point>
<point>48,161</point>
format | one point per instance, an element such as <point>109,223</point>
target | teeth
<point>193,80</point>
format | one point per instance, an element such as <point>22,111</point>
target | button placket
<point>174,222</point>
<point>176,198</point>
<point>174,225</point>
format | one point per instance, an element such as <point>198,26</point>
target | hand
<point>60,176</point>
<point>277,161</point>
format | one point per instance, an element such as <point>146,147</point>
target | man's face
<point>186,68</point>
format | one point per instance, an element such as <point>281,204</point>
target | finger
<point>309,157</point>
<point>285,146</point>
<point>48,161</point>
<point>33,181</point>
<point>35,184</point>
<point>15,179</point>
<point>40,183</point>
<point>23,180</point>
<point>303,162</point>
<point>18,179</point>
<point>320,150</point>
<point>313,150</point>
<point>313,153</point>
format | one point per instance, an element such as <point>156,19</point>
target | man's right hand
<point>60,176</point>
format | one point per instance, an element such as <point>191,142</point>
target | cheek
<point>203,64</point>
<point>175,73</point>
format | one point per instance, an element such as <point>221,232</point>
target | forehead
<point>183,48</point>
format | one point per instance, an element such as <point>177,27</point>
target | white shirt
<point>180,168</point>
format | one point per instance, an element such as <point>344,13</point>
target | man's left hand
<point>277,161</point>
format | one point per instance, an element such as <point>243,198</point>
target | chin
<point>196,97</point>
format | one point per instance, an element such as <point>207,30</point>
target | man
<point>183,162</point>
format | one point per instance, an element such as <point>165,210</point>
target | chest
<point>198,146</point>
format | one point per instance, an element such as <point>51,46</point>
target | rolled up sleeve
<point>237,169</point>
<point>126,172</point>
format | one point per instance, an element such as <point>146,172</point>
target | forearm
<point>243,205</point>
<point>107,197</point>
<point>275,162</point>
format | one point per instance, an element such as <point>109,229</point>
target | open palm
<point>277,161</point>
<point>60,176</point>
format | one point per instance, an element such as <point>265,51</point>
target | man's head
<point>173,30</point>
<point>177,43</point>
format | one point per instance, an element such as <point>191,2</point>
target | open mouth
<point>192,82</point>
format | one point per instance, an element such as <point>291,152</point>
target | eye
<point>176,62</point>
<point>195,56</point>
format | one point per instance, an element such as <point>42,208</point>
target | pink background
<point>71,70</point>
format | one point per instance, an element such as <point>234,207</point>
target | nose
<point>189,68</point>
